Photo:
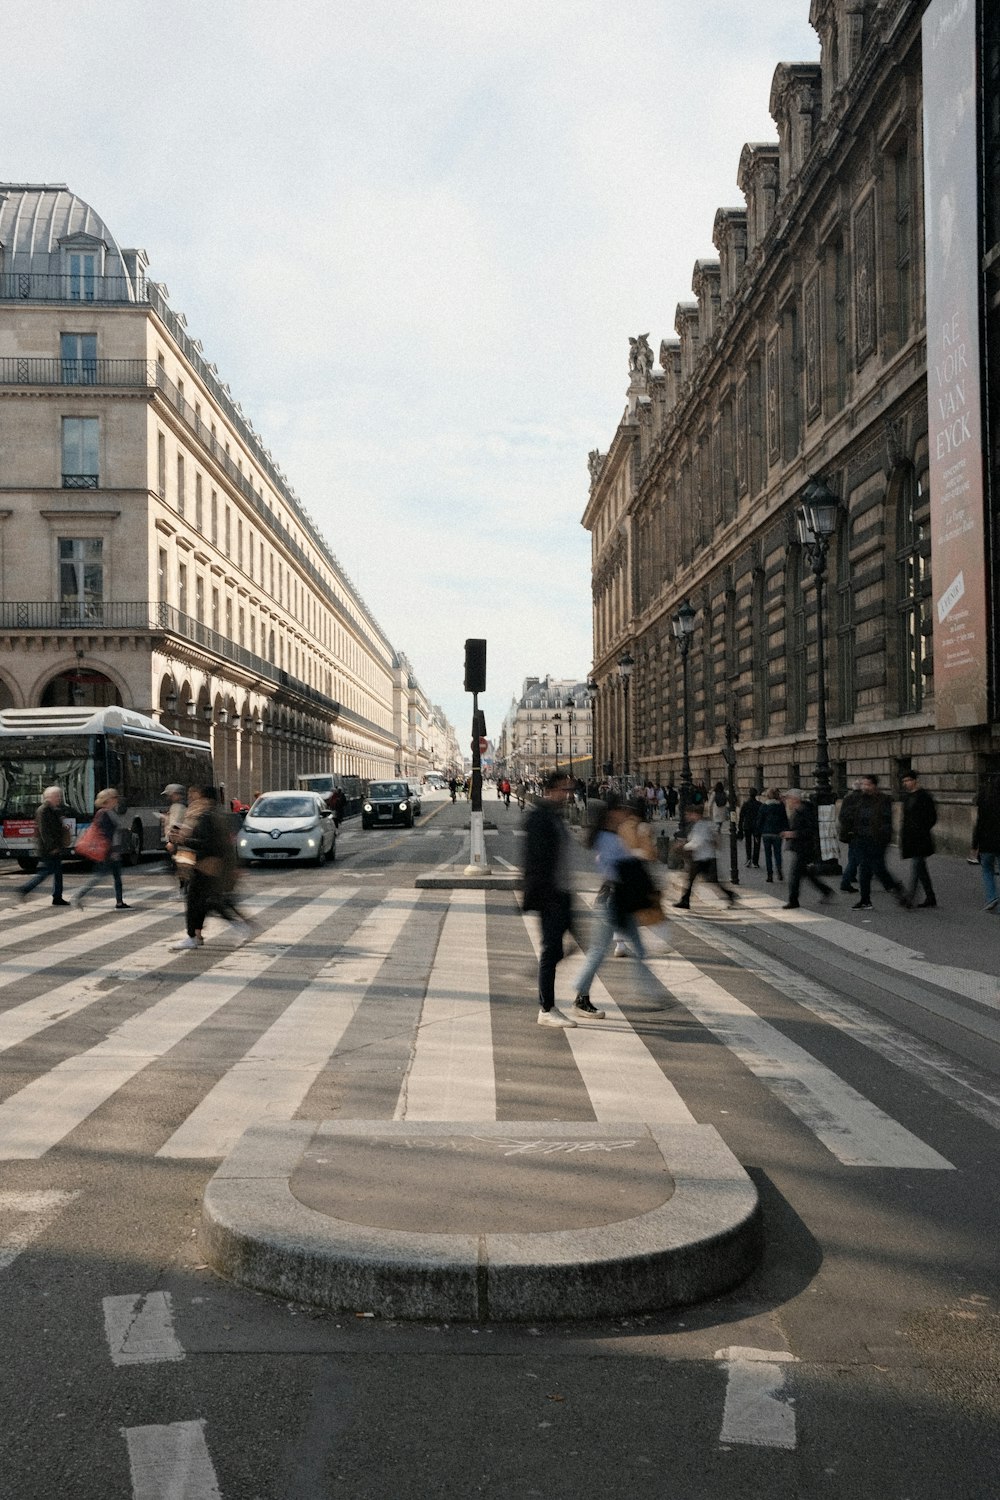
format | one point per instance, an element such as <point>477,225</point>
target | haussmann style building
<point>152,552</point>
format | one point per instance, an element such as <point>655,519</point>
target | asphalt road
<point>851,1061</point>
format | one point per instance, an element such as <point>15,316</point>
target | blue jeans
<point>851,868</point>
<point>772,852</point>
<point>49,864</point>
<point>609,921</point>
<point>112,867</point>
<point>988,865</point>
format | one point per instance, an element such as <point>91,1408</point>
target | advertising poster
<point>958,561</point>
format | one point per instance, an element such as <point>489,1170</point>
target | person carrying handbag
<point>102,844</point>
<point>628,889</point>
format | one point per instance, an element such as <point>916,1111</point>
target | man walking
<point>844,823</point>
<point>915,841</point>
<point>50,841</point>
<point>802,841</point>
<point>868,825</point>
<point>547,888</point>
<point>746,828</point>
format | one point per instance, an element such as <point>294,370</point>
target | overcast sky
<point>415,236</point>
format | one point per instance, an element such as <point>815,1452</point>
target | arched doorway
<point>80,687</point>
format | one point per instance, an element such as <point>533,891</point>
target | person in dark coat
<point>986,839</point>
<point>868,824</point>
<point>915,841</point>
<point>547,888</point>
<point>802,842</point>
<point>772,821</point>
<point>746,828</point>
<point>50,843</point>
<point>844,822</point>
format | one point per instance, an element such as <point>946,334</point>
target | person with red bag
<point>102,844</point>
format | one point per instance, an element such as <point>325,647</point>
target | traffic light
<point>475,666</point>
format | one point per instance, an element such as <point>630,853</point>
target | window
<point>161,465</point>
<point>229,531</point>
<point>78,353</point>
<point>161,576</point>
<point>199,599</point>
<point>239,544</point>
<point>81,578</point>
<point>903,243</point>
<point>180,484</point>
<point>215,610</point>
<point>913,593</point>
<point>80,470</point>
<point>81,278</point>
<point>215,518</point>
<point>242,626</point>
<point>182,588</point>
<point>199,518</point>
<point>229,619</point>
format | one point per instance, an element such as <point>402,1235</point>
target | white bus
<point>84,750</point>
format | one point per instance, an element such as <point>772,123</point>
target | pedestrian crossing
<point>220,991</point>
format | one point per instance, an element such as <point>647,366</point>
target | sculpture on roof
<point>640,359</point>
<point>594,461</point>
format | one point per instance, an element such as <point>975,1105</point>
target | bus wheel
<point>28,865</point>
<point>132,852</point>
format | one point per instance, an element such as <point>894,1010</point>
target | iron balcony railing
<point>68,286</point>
<point>26,370</point>
<point>153,616</point>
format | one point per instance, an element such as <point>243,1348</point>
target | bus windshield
<point>28,766</point>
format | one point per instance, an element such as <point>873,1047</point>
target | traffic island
<point>461,1222</point>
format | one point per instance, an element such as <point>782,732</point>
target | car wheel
<point>28,865</point>
<point>333,852</point>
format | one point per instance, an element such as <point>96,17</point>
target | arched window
<point>913,591</point>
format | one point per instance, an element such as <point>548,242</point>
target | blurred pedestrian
<point>986,839</point>
<point>702,847</point>
<point>212,879</point>
<point>868,824</point>
<point>746,828</point>
<point>845,823</point>
<point>108,830</point>
<point>51,842</point>
<point>802,842</point>
<point>916,843</point>
<point>547,888</point>
<point>772,821</point>
<point>627,889</point>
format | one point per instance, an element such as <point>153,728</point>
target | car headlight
<point>311,843</point>
<point>367,807</point>
<point>243,843</point>
<point>402,807</point>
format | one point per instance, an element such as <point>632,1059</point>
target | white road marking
<point>34,1213</point>
<point>38,1116</point>
<point>931,1066</point>
<point>50,954</point>
<point>849,1125</point>
<point>171,1462</point>
<point>23,1021</point>
<point>272,1079</point>
<point>451,1074</point>
<point>621,1076</point>
<point>140,1329</point>
<point>757,1411</point>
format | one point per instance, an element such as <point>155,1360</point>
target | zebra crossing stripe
<point>49,954</point>
<point>140,1329</point>
<point>621,1076</point>
<point>757,1411</point>
<point>451,1074</point>
<point>33,1212</point>
<point>856,1131</point>
<point>20,1022</point>
<point>171,1462</point>
<point>273,1077</point>
<point>38,1116</point>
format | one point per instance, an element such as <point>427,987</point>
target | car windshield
<point>387,789</point>
<point>284,807</point>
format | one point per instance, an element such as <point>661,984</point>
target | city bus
<point>84,750</point>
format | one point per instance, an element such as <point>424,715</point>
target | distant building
<point>152,552</point>
<point>547,727</point>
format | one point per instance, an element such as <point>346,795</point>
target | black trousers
<point>557,919</point>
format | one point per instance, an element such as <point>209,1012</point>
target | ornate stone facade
<point>804,354</point>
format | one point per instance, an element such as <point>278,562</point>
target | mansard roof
<point>37,219</point>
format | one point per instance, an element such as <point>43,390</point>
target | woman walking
<point>627,887</point>
<point>107,827</point>
<point>772,821</point>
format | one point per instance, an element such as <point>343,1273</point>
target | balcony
<point>25,370</point>
<point>32,286</point>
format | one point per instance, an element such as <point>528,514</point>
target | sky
<point>415,236</point>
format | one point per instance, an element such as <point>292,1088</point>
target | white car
<point>288,825</point>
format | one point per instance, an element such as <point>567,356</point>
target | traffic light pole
<point>477,839</point>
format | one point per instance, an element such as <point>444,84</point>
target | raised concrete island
<point>478,1222</point>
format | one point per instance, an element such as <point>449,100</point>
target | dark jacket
<point>545,854</point>
<point>919,817</point>
<point>869,815</point>
<point>986,834</point>
<point>50,831</point>
<point>748,817</point>
<point>771,818</point>
<point>805,832</point>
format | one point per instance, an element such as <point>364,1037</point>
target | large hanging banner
<point>951,217</point>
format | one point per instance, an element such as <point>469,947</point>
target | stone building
<point>410,717</point>
<point>547,728</point>
<point>152,552</point>
<point>803,353</point>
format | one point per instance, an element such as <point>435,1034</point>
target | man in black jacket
<point>50,841</point>
<point>915,841</point>
<point>547,889</point>
<point>868,824</point>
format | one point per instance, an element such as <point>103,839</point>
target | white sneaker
<point>621,951</point>
<point>554,1018</point>
<point>187,942</point>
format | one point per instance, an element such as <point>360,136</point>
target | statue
<point>595,459</point>
<point>640,359</point>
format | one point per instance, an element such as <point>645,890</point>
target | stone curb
<point>705,1238</point>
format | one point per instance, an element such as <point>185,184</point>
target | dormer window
<point>83,267</point>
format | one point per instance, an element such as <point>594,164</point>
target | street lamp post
<point>593,692</point>
<point>569,719</point>
<point>817,522</point>
<point>683,628</point>
<point>626,666</point>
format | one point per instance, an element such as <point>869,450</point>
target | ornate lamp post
<point>626,666</point>
<point>817,521</point>
<point>593,693</point>
<point>569,720</point>
<point>683,628</point>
